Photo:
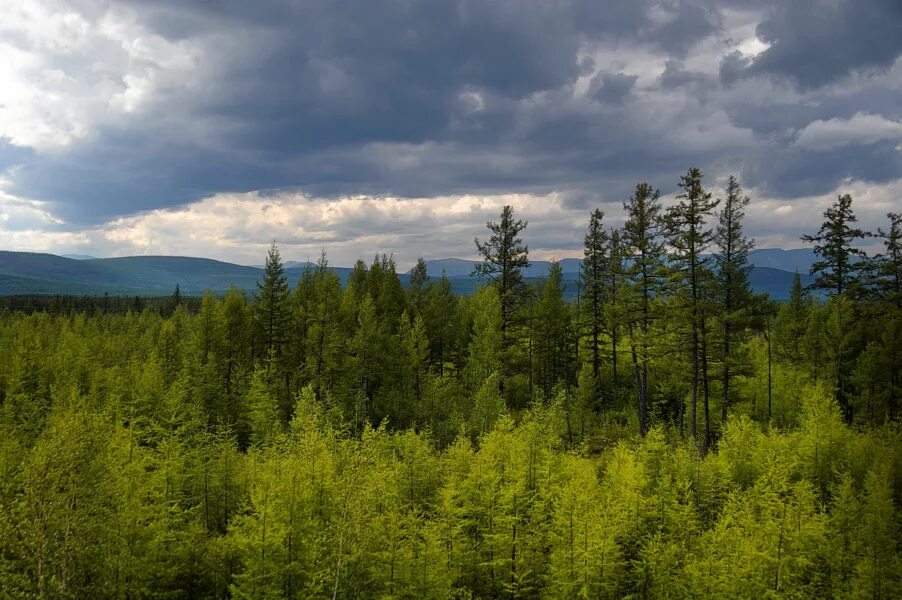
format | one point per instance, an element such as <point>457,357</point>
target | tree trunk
<point>693,407</point>
<point>705,390</point>
<point>725,374</point>
<point>694,347</point>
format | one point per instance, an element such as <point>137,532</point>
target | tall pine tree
<point>732,260</point>
<point>614,291</point>
<point>837,270</point>
<point>689,237</point>
<point>594,280</point>
<point>554,348</point>
<point>643,250</point>
<point>837,273</point>
<point>272,304</point>
<point>889,263</point>
<point>504,256</point>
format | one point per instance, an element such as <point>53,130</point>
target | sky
<point>212,128</point>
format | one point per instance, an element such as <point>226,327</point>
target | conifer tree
<point>386,290</point>
<point>484,354</point>
<point>417,284</point>
<point>689,236</point>
<point>170,355</point>
<point>234,359</point>
<point>176,299</point>
<point>414,354</point>
<point>358,280</point>
<point>554,351</point>
<point>614,309</point>
<point>837,270</point>
<point>791,324</point>
<point>889,288</point>
<point>365,350</point>
<point>323,346</point>
<point>594,280</point>
<point>889,263</point>
<point>878,569</point>
<point>272,304</point>
<point>264,420</point>
<point>301,306</point>
<point>837,273</point>
<point>643,250</point>
<point>440,319</point>
<point>504,256</point>
<point>732,260</point>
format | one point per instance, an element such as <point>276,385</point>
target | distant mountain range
<point>32,273</point>
<point>775,258</point>
<point>78,256</point>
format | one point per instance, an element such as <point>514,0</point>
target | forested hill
<point>31,273</point>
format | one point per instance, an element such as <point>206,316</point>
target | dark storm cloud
<point>733,66</point>
<point>613,88</point>
<point>794,172</point>
<point>425,98</point>
<point>688,24</point>
<point>816,42</point>
<point>675,75</point>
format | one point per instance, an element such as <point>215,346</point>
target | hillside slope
<point>35,273</point>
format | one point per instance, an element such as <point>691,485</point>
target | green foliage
<point>552,349</point>
<point>383,443</point>
<point>838,267</point>
<point>595,276</point>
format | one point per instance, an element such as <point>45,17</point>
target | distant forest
<point>667,433</point>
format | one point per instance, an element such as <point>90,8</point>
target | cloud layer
<point>118,115</point>
<point>240,227</point>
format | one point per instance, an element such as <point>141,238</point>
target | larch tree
<point>439,315</point>
<point>386,290</point>
<point>264,420</point>
<point>175,300</point>
<point>839,262</point>
<point>837,273</point>
<point>504,256</point>
<point>732,261</point>
<point>273,320</point>
<point>417,284</point>
<point>791,324</point>
<point>643,251</point>
<point>889,263</point>
<point>594,279</point>
<point>889,288</point>
<point>689,236</point>
<point>414,360</point>
<point>234,357</point>
<point>323,345</point>
<point>614,309</point>
<point>554,352</point>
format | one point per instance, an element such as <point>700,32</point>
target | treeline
<point>668,434</point>
<point>67,304</point>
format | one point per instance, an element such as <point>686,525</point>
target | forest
<point>668,434</point>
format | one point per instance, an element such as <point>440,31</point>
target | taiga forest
<point>664,432</point>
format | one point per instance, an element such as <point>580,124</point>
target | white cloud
<point>17,214</point>
<point>862,128</point>
<point>239,227</point>
<point>66,72</point>
<point>778,223</point>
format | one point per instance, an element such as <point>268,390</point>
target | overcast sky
<point>211,128</point>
